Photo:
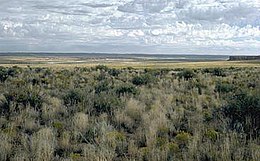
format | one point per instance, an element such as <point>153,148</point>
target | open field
<point>71,62</point>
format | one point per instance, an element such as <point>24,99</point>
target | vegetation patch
<point>104,113</point>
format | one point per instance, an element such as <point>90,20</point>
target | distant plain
<point>70,60</point>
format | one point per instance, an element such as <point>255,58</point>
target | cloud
<point>144,6</point>
<point>164,26</point>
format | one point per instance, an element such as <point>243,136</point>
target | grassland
<point>71,62</point>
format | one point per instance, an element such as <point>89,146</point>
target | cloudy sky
<point>131,26</point>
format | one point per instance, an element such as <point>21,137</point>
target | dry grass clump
<point>43,144</point>
<point>80,122</point>
<point>5,146</point>
<point>131,116</point>
<point>51,108</point>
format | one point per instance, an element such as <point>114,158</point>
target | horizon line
<point>118,53</point>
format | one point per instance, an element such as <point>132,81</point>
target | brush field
<point>207,111</point>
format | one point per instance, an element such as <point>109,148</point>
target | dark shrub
<point>106,103</point>
<point>35,99</point>
<point>102,86</point>
<point>8,72</point>
<point>218,72</point>
<point>13,71</point>
<point>137,80</point>
<point>244,108</point>
<point>72,97</point>
<point>153,72</point>
<point>3,74</point>
<point>186,74</point>
<point>89,136</point>
<point>25,97</point>
<point>4,107</point>
<point>126,89</point>
<point>143,79</point>
<point>224,87</point>
<point>215,71</point>
<point>114,72</point>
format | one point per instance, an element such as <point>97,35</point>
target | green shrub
<point>102,76</point>
<point>244,108</point>
<point>186,74</point>
<point>57,125</point>
<point>215,71</point>
<point>143,79</point>
<point>224,87</point>
<point>75,156</point>
<point>90,135</point>
<point>25,97</point>
<point>126,89</point>
<point>218,72</point>
<point>161,141</point>
<point>101,67</point>
<point>153,72</point>
<point>114,72</point>
<point>102,86</point>
<point>212,134</point>
<point>106,103</point>
<point>3,74</point>
<point>8,72</point>
<point>182,138</point>
<point>72,97</point>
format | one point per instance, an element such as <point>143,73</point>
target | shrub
<point>212,134</point>
<point>173,147</point>
<point>182,138</point>
<point>3,74</point>
<point>102,86</point>
<point>4,107</point>
<point>215,71</point>
<point>161,141</point>
<point>114,72</point>
<point>244,108</point>
<point>72,97</point>
<point>186,74</point>
<point>153,72</point>
<point>25,97</point>
<point>57,125</point>
<point>218,72</point>
<point>90,135</point>
<point>105,102</point>
<point>126,89</point>
<point>101,67</point>
<point>102,76</point>
<point>143,79</point>
<point>224,87</point>
<point>8,72</point>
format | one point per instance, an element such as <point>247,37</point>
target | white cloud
<point>169,26</point>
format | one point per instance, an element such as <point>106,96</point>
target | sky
<point>131,26</point>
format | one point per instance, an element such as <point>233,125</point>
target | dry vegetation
<point>72,62</point>
<point>104,113</point>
